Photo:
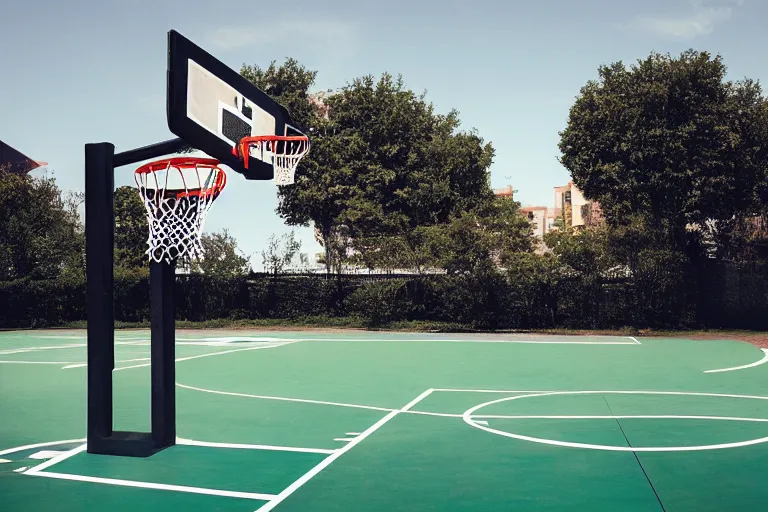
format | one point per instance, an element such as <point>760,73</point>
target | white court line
<point>152,485</point>
<point>344,439</point>
<point>59,458</point>
<point>284,399</point>
<point>439,414</point>
<point>620,417</point>
<point>212,354</point>
<point>752,365</point>
<point>190,442</point>
<point>37,362</point>
<point>352,433</point>
<point>82,365</point>
<point>15,351</point>
<point>459,390</point>
<point>530,393</point>
<point>634,339</point>
<point>19,350</point>
<point>40,445</point>
<point>447,340</point>
<point>328,460</point>
<point>469,416</point>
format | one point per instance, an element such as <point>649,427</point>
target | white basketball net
<point>286,153</point>
<point>177,198</point>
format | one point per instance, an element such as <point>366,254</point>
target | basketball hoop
<point>177,194</point>
<point>286,152</point>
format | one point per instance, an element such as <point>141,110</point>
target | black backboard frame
<point>180,51</point>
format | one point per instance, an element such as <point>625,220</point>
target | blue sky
<point>88,71</point>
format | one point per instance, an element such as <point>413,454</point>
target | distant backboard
<point>212,107</point>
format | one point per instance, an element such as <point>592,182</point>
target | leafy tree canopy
<point>671,139</point>
<point>131,229</point>
<point>40,228</point>
<point>280,253</point>
<point>222,258</point>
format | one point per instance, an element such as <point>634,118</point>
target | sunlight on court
<point>326,421</point>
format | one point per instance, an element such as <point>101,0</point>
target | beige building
<point>576,211</point>
<point>571,210</point>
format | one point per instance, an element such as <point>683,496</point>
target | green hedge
<point>713,295</point>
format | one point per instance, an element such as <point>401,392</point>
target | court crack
<point>647,478</point>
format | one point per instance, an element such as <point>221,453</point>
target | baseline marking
<point>743,367</point>
<point>328,460</point>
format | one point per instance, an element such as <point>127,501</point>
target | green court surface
<point>319,421</point>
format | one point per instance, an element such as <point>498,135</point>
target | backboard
<point>212,107</point>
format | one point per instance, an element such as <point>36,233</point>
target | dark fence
<point>712,295</point>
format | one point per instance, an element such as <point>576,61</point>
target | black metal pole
<point>162,277</point>
<point>157,150</point>
<point>99,240</point>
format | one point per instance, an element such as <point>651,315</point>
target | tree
<point>671,140</point>
<point>40,227</point>
<point>585,251</point>
<point>288,84</point>
<point>493,231</point>
<point>385,164</point>
<point>131,229</point>
<point>221,256</point>
<point>279,254</point>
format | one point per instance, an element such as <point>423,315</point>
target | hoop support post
<point>100,164</point>
<point>99,247</point>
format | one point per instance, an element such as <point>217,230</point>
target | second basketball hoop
<point>285,152</point>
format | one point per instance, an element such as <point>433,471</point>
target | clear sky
<point>93,70</point>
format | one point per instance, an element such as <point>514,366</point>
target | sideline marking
<point>212,354</point>
<point>468,414</point>
<point>352,433</point>
<point>752,365</point>
<point>5,461</point>
<point>284,399</point>
<point>620,417</point>
<point>446,340</point>
<point>634,339</point>
<point>328,460</point>
<point>344,439</point>
<point>190,442</point>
